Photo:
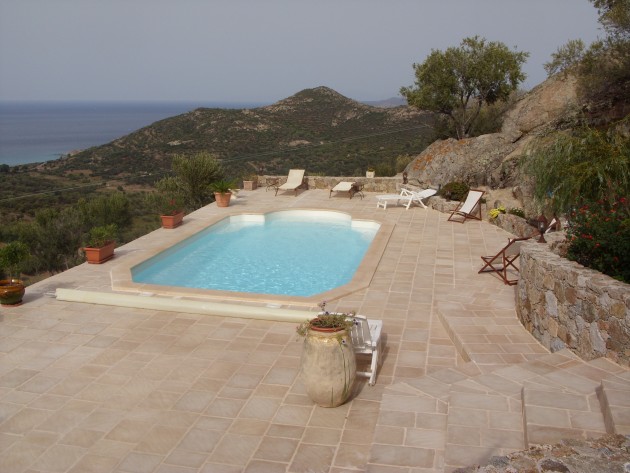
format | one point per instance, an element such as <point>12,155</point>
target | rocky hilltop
<point>492,160</point>
<point>318,129</point>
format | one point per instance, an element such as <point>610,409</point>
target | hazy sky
<point>258,50</point>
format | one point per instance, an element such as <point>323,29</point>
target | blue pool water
<point>291,253</point>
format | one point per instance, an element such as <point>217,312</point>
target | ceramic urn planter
<point>328,366</point>
<point>11,292</point>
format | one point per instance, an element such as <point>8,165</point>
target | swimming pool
<point>292,253</point>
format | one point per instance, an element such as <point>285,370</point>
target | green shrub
<point>517,211</point>
<point>599,237</point>
<point>454,190</point>
<point>579,165</point>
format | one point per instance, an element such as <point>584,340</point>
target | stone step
<point>614,396</point>
<point>552,413</point>
<point>467,414</point>
<point>480,426</point>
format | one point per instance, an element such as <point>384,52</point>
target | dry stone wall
<point>377,184</point>
<point>563,304</point>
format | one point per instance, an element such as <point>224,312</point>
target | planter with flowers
<point>328,363</point>
<point>100,244</point>
<point>12,257</point>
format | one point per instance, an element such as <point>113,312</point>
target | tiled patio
<point>97,388</point>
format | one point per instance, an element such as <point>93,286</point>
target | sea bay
<point>32,132</point>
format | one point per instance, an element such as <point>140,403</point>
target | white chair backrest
<point>551,226</point>
<point>471,201</point>
<point>514,248</point>
<point>295,176</point>
<point>360,332</point>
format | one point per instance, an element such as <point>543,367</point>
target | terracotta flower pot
<point>222,198</point>
<point>173,220</point>
<point>11,292</point>
<point>101,254</point>
<point>250,185</point>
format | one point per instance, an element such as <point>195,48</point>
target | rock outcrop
<point>491,160</point>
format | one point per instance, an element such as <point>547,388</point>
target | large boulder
<point>544,104</point>
<point>472,160</point>
<point>492,160</point>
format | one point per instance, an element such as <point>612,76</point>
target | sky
<point>259,50</point>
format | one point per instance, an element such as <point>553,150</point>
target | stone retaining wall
<point>389,185</point>
<point>563,304</point>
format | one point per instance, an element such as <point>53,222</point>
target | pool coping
<point>121,274</point>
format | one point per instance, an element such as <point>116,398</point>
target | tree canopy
<point>459,81</point>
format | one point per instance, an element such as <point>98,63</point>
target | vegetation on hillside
<point>459,82</point>
<point>582,169</point>
<point>602,68</point>
<point>316,129</point>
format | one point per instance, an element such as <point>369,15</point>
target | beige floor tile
<point>135,390</point>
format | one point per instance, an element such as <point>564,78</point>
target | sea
<point>34,132</point>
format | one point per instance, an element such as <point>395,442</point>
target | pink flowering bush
<point>599,237</point>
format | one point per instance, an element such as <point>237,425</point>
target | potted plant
<point>168,202</point>
<point>100,244</point>
<point>12,257</point>
<point>328,363</point>
<point>250,182</point>
<point>370,172</point>
<point>222,192</point>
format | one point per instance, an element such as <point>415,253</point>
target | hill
<point>317,129</point>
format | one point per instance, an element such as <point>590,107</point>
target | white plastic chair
<point>366,339</point>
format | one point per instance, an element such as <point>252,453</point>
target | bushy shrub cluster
<point>454,190</point>
<point>599,237</point>
<point>517,211</point>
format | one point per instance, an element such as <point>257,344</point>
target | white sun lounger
<point>295,180</point>
<point>406,196</point>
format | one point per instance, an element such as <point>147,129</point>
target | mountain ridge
<point>341,134</point>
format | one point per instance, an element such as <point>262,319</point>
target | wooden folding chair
<point>470,208</point>
<point>504,259</point>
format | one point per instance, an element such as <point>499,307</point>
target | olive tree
<point>458,82</point>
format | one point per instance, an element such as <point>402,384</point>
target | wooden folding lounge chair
<point>295,180</point>
<point>351,188</point>
<point>406,196</point>
<point>470,208</point>
<point>366,340</point>
<point>504,259</point>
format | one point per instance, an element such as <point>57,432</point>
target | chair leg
<point>373,367</point>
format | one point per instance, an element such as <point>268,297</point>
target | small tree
<point>456,83</point>
<point>566,57</point>
<point>193,175</point>
<point>12,258</point>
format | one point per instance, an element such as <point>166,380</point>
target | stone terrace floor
<point>94,388</point>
